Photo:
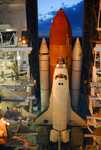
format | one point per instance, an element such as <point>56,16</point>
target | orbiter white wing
<point>76,119</point>
<point>46,116</point>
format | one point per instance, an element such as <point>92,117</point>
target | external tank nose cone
<point>60,27</point>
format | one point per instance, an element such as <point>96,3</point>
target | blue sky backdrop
<point>47,9</point>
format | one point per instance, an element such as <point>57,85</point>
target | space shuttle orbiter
<point>59,113</point>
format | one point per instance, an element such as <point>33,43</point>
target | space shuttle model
<point>59,113</point>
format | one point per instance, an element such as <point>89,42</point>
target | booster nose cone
<point>77,50</point>
<point>43,47</point>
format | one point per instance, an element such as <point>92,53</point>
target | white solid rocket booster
<point>76,73</point>
<point>44,74</point>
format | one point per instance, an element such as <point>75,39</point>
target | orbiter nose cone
<point>60,61</point>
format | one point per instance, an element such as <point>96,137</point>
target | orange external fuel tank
<point>60,42</point>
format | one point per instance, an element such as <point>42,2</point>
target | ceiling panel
<point>2,2</point>
<point>13,12</point>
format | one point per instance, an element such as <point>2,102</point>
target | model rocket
<point>60,41</point>
<point>44,74</point>
<point>76,73</point>
<point>59,113</point>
